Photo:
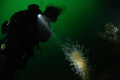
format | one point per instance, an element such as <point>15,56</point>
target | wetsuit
<point>20,41</point>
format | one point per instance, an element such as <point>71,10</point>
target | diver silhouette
<point>23,33</point>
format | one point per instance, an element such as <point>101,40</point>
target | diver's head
<point>52,13</point>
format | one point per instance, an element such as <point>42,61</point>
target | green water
<point>81,21</point>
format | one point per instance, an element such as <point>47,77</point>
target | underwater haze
<point>82,21</point>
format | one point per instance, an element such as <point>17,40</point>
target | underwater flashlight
<point>39,15</point>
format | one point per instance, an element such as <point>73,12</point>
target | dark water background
<point>81,22</point>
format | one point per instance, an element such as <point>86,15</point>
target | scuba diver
<point>23,33</point>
